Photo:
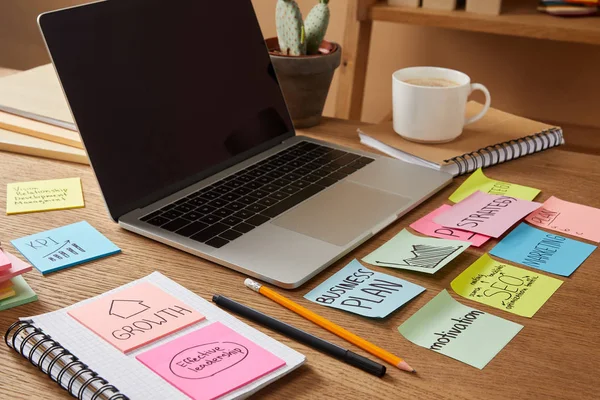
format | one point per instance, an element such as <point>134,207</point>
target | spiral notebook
<point>496,138</point>
<point>90,368</point>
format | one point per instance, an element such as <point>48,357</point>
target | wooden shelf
<point>522,21</point>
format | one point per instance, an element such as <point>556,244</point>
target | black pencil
<point>338,352</point>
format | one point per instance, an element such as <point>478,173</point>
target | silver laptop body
<point>293,247</point>
<point>300,224</point>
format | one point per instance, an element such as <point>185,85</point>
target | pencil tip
<point>403,365</point>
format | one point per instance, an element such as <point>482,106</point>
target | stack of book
<point>14,291</point>
<point>35,118</point>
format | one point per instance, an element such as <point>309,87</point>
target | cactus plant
<point>290,28</point>
<point>304,80</point>
<point>316,24</point>
<point>295,37</point>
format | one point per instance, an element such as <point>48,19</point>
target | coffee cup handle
<point>486,107</point>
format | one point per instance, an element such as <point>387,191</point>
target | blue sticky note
<point>64,247</point>
<point>542,250</point>
<point>361,291</point>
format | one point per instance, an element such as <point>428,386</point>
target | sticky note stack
<point>5,263</point>
<point>14,291</point>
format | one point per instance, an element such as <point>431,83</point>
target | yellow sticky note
<point>5,294</point>
<point>478,181</point>
<point>54,194</point>
<point>505,286</point>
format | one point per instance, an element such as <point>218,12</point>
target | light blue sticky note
<point>542,250</point>
<point>361,291</point>
<point>64,247</point>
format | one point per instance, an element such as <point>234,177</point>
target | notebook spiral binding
<point>58,363</point>
<point>543,140</point>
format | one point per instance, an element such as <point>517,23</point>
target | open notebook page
<point>133,378</point>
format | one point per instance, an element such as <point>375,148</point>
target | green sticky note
<point>445,326</point>
<point>416,253</point>
<point>24,294</point>
<point>505,286</point>
<point>478,181</point>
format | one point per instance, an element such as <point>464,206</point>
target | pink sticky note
<point>17,267</point>
<point>135,316</point>
<point>210,362</point>
<point>570,218</point>
<point>486,214</point>
<point>427,226</point>
<point>4,262</point>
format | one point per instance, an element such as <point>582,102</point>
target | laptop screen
<point>165,92</point>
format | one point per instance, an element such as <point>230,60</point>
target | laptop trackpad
<point>342,213</point>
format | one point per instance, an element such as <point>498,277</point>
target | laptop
<point>183,119</point>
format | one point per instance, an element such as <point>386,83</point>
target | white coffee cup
<point>433,114</point>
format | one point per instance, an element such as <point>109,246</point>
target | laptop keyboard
<point>233,206</point>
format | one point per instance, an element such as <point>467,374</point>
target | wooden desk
<point>556,355</point>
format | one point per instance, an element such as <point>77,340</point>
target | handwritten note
<point>505,286</point>
<point>64,247</point>
<point>542,250</point>
<point>24,294</point>
<point>570,218</point>
<point>361,291</point>
<point>55,194</point>
<point>4,261</point>
<point>135,316</point>
<point>478,181</point>
<point>17,267</point>
<point>463,333</point>
<point>486,214</point>
<point>427,226</point>
<point>416,253</point>
<point>210,362</point>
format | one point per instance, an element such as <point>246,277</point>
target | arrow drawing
<point>54,251</point>
<point>127,308</point>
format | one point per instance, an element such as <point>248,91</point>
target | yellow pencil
<point>330,326</point>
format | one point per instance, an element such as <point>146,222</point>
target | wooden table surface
<point>555,356</point>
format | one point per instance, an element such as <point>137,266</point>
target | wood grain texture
<point>522,20</point>
<point>556,355</point>
<point>355,57</point>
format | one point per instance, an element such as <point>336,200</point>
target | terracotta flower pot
<point>305,80</point>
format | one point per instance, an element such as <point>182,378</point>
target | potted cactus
<point>304,62</point>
